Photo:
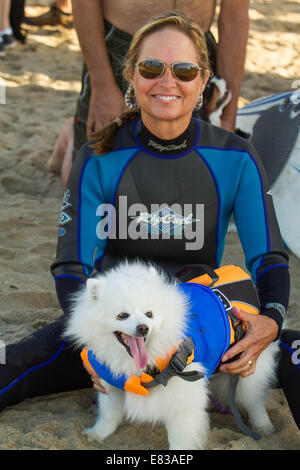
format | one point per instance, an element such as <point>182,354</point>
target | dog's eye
<point>122,316</point>
<point>149,314</point>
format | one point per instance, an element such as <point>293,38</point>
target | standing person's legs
<point>4,14</point>
<point>6,33</point>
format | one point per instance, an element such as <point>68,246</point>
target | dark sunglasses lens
<point>150,68</point>
<point>185,71</point>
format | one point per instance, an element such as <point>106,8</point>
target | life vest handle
<point>205,269</point>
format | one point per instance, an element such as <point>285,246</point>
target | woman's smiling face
<point>167,99</point>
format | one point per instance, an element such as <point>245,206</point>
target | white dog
<point>128,317</point>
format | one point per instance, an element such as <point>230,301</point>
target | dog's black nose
<point>142,330</point>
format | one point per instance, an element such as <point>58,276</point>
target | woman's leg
<point>40,364</point>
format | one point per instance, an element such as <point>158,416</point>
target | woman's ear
<point>129,75</point>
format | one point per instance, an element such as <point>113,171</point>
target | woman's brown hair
<point>173,19</point>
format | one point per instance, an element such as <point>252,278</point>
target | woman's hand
<point>97,384</point>
<point>261,331</point>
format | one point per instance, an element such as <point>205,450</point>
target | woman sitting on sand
<point>158,154</point>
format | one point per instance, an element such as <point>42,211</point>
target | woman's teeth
<point>166,98</point>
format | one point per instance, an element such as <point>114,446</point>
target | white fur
<point>251,392</point>
<point>215,116</point>
<point>181,406</point>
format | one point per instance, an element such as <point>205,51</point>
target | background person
<point>6,33</point>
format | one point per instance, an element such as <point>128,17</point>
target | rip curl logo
<point>168,148</point>
<point>161,222</point>
<point>61,232</point>
<point>165,220</point>
<point>66,200</point>
<point>64,216</point>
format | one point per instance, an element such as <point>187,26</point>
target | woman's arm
<point>77,239</point>
<point>267,261</point>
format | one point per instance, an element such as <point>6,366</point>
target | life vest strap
<point>237,326</point>
<point>243,427</point>
<point>178,362</point>
<point>204,268</point>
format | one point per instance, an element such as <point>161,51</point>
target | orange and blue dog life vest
<point>211,329</point>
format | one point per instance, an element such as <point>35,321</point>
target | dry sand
<point>42,81</point>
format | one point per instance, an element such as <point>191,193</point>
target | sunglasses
<point>184,71</point>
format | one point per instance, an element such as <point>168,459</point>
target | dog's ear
<point>93,287</point>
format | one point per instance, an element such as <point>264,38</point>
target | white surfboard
<point>273,126</point>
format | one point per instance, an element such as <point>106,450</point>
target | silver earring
<point>199,103</point>
<point>130,99</point>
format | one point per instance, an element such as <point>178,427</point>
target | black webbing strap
<point>245,429</point>
<point>239,333</point>
<point>195,268</point>
<point>176,366</point>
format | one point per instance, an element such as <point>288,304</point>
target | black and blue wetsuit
<point>168,201</point>
<point>115,205</point>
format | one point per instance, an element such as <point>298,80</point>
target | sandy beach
<point>42,81</point>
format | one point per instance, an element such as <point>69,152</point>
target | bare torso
<point>128,15</point>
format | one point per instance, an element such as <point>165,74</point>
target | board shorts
<point>118,43</point>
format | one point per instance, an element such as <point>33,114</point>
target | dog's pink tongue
<point>138,351</point>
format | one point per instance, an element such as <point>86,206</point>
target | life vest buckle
<point>177,364</point>
<point>179,360</point>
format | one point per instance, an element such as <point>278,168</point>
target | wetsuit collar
<point>177,146</point>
